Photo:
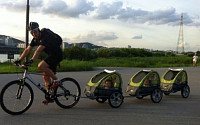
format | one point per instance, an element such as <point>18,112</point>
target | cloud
<point>17,6</point>
<point>167,16</point>
<point>51,7</point>
<point>115,10</point>
<point>106,11</point>
<point>137,37</point>
<point>94,37</point>
<point>20,5</point>
<point>62,9</point>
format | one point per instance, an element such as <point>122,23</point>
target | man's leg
<point>48,74</point>
<point>44,67</point>
<point>47,81</point>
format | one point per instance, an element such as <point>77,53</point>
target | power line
<point>180,43</point>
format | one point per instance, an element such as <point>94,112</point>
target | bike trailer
<point>143,83</point>
<point>95,85</point>
<point>95,90</point>
<point>174,80</point>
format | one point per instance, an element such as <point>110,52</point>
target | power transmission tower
<point>180,43</point>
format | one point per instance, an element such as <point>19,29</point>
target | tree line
<point>85,54</point>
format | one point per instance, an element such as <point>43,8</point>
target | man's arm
<point>25,52</point>
<point>37,52</point>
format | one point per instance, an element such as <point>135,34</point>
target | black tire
<point>156,95</point>
<point>9,101</point>
<point>68,93</point>
<point>101,100</point>
<point>116,99</point>
<point>185,91</point>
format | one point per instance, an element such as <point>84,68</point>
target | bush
<point>104,52</point>
<point>79,53</point>
<point>169,54</point>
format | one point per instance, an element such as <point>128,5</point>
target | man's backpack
<point>56,36</point>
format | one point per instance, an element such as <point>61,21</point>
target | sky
<point>150,24</point>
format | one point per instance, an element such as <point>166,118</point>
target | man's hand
<point>17,62</point>
<point>28,63</point>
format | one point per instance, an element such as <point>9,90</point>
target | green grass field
<point>76,65</point>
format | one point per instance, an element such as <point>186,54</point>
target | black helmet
<point>33,25</point>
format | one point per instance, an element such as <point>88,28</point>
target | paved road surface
<point>173,109</point>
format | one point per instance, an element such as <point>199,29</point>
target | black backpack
<point>56,36</point>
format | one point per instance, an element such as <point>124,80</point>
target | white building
<point>21,45</point>
<point>9,41</point>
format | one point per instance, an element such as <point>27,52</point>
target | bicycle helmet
<point>33,26</point>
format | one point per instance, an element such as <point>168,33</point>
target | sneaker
<point>47,101</point>
<point>55,84</point>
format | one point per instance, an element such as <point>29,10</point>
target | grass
<point>151,62</point>
<point>75,65</point>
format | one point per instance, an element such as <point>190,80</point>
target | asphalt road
<point>173,109</point>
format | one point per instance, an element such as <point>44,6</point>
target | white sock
<point>57,80</point>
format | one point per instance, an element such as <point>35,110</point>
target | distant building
<point>2,40</point>
<point>9,41</point>
<point>9,44</point>
<point>21,45</point>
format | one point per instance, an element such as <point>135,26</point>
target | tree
<point>78,53</point>
<point>104,52</point>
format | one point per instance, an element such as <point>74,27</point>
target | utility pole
<point>27,24</point>
<point>180,43</point>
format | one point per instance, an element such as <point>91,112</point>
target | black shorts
<point>53,62</point>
